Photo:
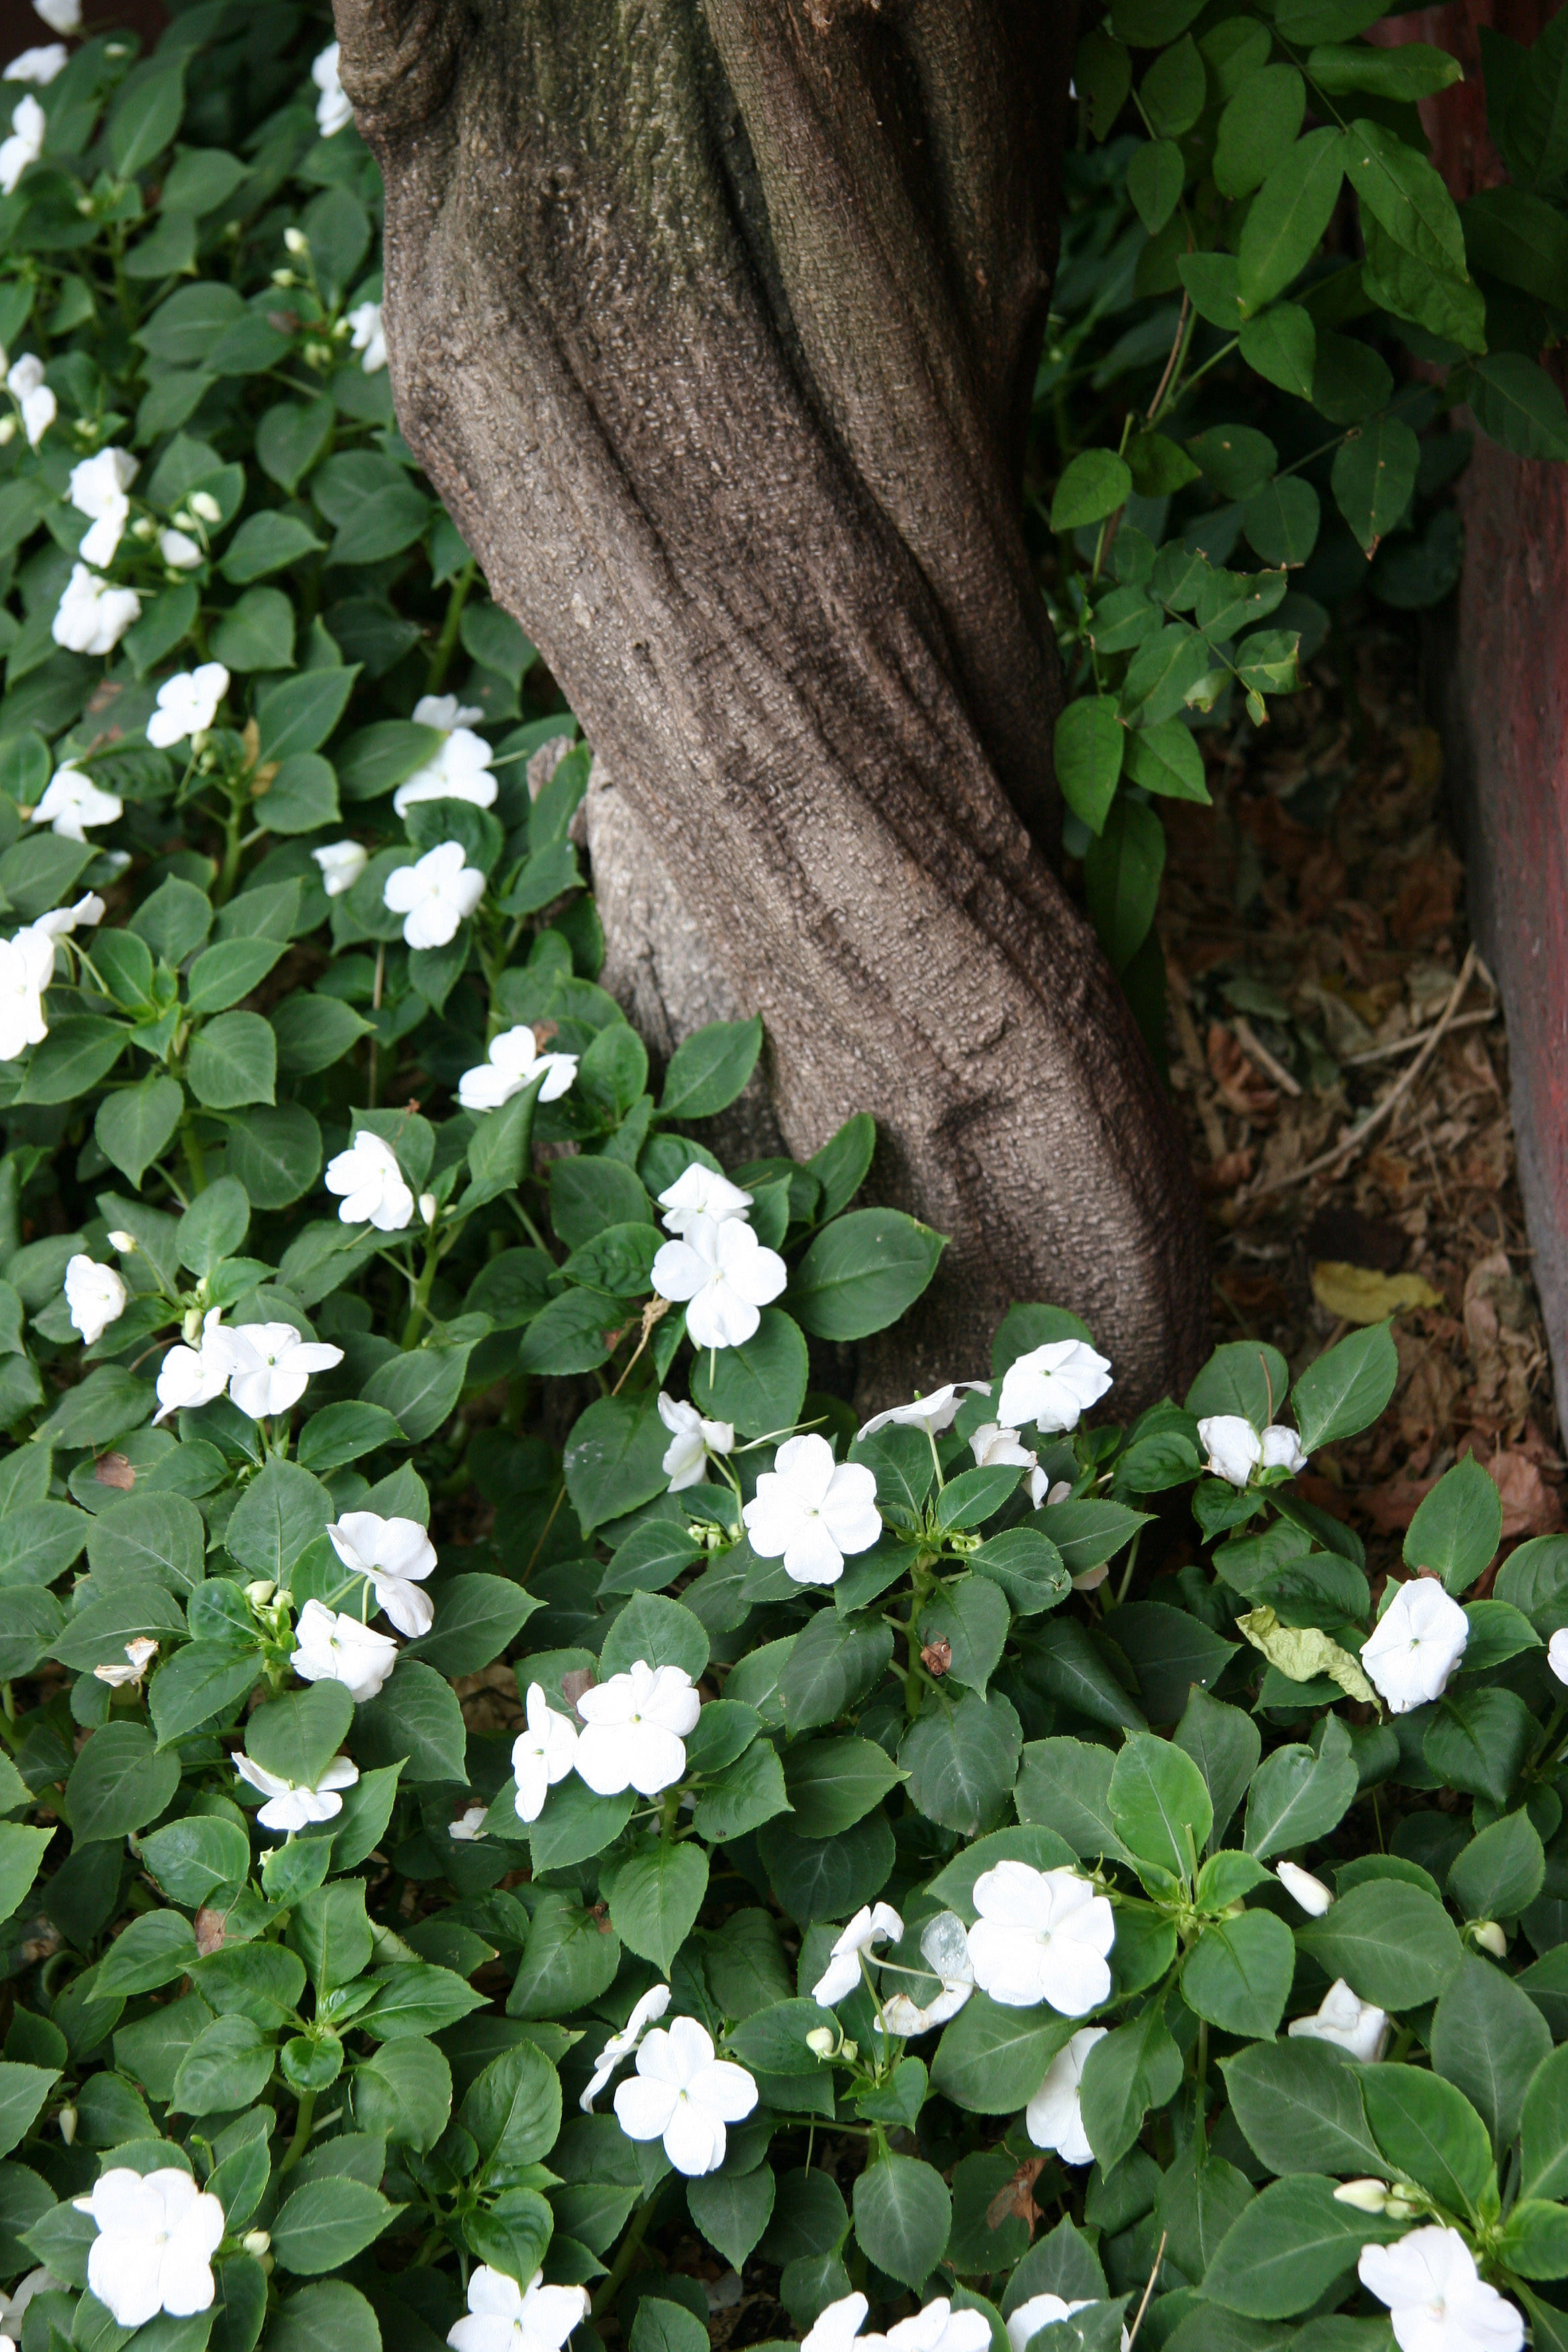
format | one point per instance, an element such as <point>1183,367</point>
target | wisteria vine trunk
<point>716,325</point>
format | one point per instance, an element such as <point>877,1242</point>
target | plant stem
<point>446,642</point>
<point>302,2122</point>
<point>630,2246</point>
<point>194,1159</point>
<point>228,874</point>
<point>420,1307</point>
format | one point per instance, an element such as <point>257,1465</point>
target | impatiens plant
<point>515,1797</point>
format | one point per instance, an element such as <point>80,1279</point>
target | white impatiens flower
<point>939,2328</point>
<point>92,616</point>
<point>932,1413</point>
<point>1282,1448</point>
<point>26,968</point>
<point>1349,2024</point>
<point>98,487</point>
<point>1233,1447</point>
<point>1053,1386</point>
<point>506,2317</point>
<point>444,710</point>
<point>72,801</point>
<point>1416,1644</point>
<point>269,1365</point>
<point>1438,2301</point>
<point>691,1441</point>
<point>157,2234</point>
<point>40,64</point>
<point>28,126</point>
<point>64,920</point>
<point>38,404</point>
<point>542,1754</point>
<point>434,896</point>
<point>187,704</point>
<point>60,16</point>
<point>636,1730</point>
<point>469,1826</point>
<point>333,1647</point>
<point>513,1062</point>
<point>838,2328</point>
<point>397,1556</point>
<point>333,112</point>
<point>1042,1934</point>
<point>1055,2115</point>
<point>293,1805</point>
<point>842,1974</point>
<point>138,1655</point>
<point>459,771</point>
<point>371,1184</point>
<point>684,2096</point>
<point>810,1511</point>
<point>1041,2310</point>
<point>369,336</point>
<point>1557,1654</point>
<point>944,1948</point>
<point>342,864</point>
<point>95,1295</point>
<point>995,1448</point>
<point>1311,1892</point>
<point>700,1192</point>
<point>648,2012</point>
<point>192,1377</point>
<point>723,1276</point>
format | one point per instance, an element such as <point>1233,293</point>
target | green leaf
<point>300,714</point>
<point>229,2065</point>
<point>971,1616</point>
<point>332,2317</point>
<point>1093,487</point>
<point>1298,1796</point>
<point>404,2090</point>
<point>145,116</point>
<point>477,1619</point>
<point>192,1858</point>
<point>1488,2038</point>
<point>23,2090</point>
<point>1121,872</point>
<point>1392,1945</point>
<point>902,2216</point>
<point>1282,519</point>
<point>134,1125</point>
<point>1479,1740</point>
<point>833,1663</point>
<point>731,2211</point>
<point>1154,178</point>
<point>1299,2106</point>
<point>1374,477</point>
<point>1224,1744</point>
<point>759,1387</point>
<point>614,1459</point>
<point>234,1060</point>
<point>1089,738</point>
<point>1429,2130</point>
<point>1516,402</point>
<point>1500,1872</point>
<point>1028,1568</point>
<point>77,1053</point>
<point>118,1783</point>
<point>1347,1388</point>
<point>415,1719</point>
<point>1238,1974</point>
<point>988,2053</point>
<point>1065,1785</point>
<point>1160,1804</point>
<point>709,1069</point>
<point>1258,124</point>
<point>1136,2067</point>
<point>324,2224</point>
<point>655,1897</point>
<point>202,1680</point>
<point>1402,192</point>
<point>1165,758</point>
<point>569,1961</point>
<point>513,2113</point>
<point>1289,215</point>
<point>160,1537</point>
<point>962,1762</point>
<point>298,1735</point>
<point>282,1511</point>
<point>841,1165</point>
<point>832,1783</point>
<point>498,1149</point>
<point>1288,2247</point>
<point>862,1272</point>
<point>276,1154</point>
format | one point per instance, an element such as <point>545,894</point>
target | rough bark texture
<point>715,322</point>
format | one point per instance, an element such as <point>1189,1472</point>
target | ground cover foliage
<point>759,1840</point>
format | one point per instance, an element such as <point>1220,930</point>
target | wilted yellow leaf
<point>1356,1294</point>
<point>1302,1653</point>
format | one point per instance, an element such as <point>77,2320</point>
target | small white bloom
<point>810,1511</point>
<point>1438,2301</point>
<point>60,924</point>
<point>293,1805</point>
<point>342,864</point>
<point>995,1447</point>
<point>71,802</point>
<point>939,2328</point>
<point>205,507</point>
<point>1349,2024</point>
<point>1055,2115</point>
<point>1042,1934</point>
<point>506,2317</point>
<point>944,1948</point>
<point>932,1414</point>
<point>96,1295</point>
<point>444,710</point>
<point>1366,2195</point>
<point>32,394</point>
<point>179,551</point>
<point>691,1441</point>
<point>157,2234</point>
<point>40,64</point>
<point>1042,2310</point>
<point>636,1730</point>
<point>26,968</point>
<point>542,1754</point>
<point>683,2094</point>
<point>333,111</point>
<point>723,1276</point>
<point>1053,1386</point>
<point>1490,1936</point>
<point>92,616</point>
<point>26,144</point>
<point>1282,1448</point>
<point>333,1647</point>
<point>370,1182</point>
<point>428,1208</point>
<point>61,15</point>
<point>1233,1446</point>
<point>1311,1892</point>
<point>192,1377</point>
<point>513,1062</point>
<point>269,1365</point>
<point>14,2306</point>
<point>838,2328</point>
<point>435,894</point>
<point>1557,1654</point>
<point>459,771</point>
<point>1416,1644</point>
<point>369,336</point>
<point>123,1242</point>
<point>470,1826</point>
<point>98,487</point>
<point>187,704</point>
<point>139,1654</point>
<point>842,1974</point>
<point>397,1556</point>
<point>700,1192</point>
<point>647,2011</point>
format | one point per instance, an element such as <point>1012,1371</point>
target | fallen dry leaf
<point>1356,1294</point>
<point>1242,1085</point>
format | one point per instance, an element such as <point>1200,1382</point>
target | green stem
<point>302,2122</point>
<point>630,2247</point>
<point>446,642</point>
<point>422,1288</point>
<point>194,1159</point>
<point>228,874</point>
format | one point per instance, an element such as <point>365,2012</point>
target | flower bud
<point>259,1593</point>
<point>144,528</point>
<point>190,1329</point>
<point>296,241</point>
<point>256,2242</point>
<point>821,2040</point>
<point>124,1242</point>
<point>66,2120</point>
<point>284,278</point>
<point>1311,1892</point>
<point>1403,2207</point>
<point>850,2051</point>
<point>1490,1938</point>
<point>1366,2195</point>
<point>427,1207</point>
<point>205,507</point>
<point>7,430</point>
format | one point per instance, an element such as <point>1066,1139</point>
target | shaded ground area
<point>1314,928</point>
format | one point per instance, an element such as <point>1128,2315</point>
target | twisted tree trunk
<point>715,323</point>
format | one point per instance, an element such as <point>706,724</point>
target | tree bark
<point>715,323</point>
